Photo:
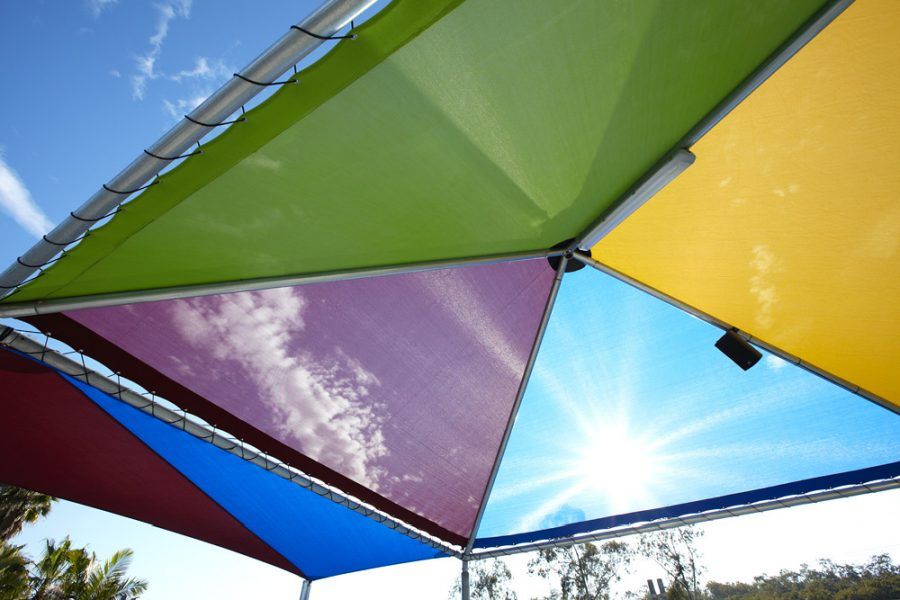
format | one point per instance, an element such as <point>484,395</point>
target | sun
<point>619,464</point>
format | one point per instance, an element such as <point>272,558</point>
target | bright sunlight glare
<point>618,464</point>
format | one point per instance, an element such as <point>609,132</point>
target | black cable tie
<point>95,219</point>
<point>202,124</point>
<point>171,158</point>
<point>261,84</point>
<point>130,192</point>
<point>64,244</point>
<point>27,266</point>
<point>349,36</point>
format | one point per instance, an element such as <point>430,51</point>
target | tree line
<point>592,572</point>
<point>63,571</point>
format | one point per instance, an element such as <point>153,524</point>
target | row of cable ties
<point>293,80</point>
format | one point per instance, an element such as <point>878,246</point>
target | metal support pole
<point>293,46</point>
<point>179,419</point>
<point>847,385</point>
<point>304,589</point>
<point>41,307</point>
<point>712,515</point>
<point>529,367</point>
<point>464,578</point>
<point>658,177</point>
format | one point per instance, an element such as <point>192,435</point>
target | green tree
<point>879,579</point>
<point>488,580</point>
<point>66,572</point>
<point>584,572</point>
<point>18,507</point>
<point>675,550</point>
<point>57,573</point>
<point>13,572</point>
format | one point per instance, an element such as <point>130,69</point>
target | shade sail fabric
<point>63,444</point>
<point>632,408</point>
<point>788,224</point>
<point>321,537</point>
<point>395,389</point>
<point>494,127</point>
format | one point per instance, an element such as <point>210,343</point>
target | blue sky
<point>91,83</point>
<point>631,407</point>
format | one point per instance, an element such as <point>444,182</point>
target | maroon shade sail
<point>395,389</point>
<point>64,445</point>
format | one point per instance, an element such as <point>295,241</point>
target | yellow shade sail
<point>788,224</point>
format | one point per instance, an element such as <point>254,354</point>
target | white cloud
<point>97,7</point>
<point>764,264</point>
<point>146,63</point>
<point>262,161</point>
<point>181,106</point>
<point>116,73</point>
<point>774,362</point>
<point>16,200</point>
<point>316,401</point>
<point>459,299</point>
<point>203,69</point>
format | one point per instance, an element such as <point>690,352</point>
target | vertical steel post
<point>304,589</point>
<point>465,580</point>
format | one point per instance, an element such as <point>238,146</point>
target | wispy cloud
<point>16,200</point>
<point>146,63</point>
<point>317,402</point>
<point>177,108</point>
<point>775,363</point>
<point>764,264</point>
<point>97,7</point>
<point>203,69</point>
<point>199,77</point>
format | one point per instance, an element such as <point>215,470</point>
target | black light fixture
<point>738,349</point>
<point>572,265</point>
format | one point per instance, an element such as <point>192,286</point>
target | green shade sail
<point>446,130</point>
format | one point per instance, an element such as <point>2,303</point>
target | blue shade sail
<point>320,537</point>
<point>632,408</point>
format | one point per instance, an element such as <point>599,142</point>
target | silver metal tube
<point>181,420</point>
<point>42,307</point>
<point>304,589</point>
<point>464,580</point>
<point>268,66</point>
<point>847,385</point>
<point>659,176</point>
<point>713,515</point>
<point>523,384</point>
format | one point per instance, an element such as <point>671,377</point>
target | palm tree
<point>64,572</point>
<point>55,575</point>
<point>18,507</point>
<point>107,581</point>
<point>13,572</point>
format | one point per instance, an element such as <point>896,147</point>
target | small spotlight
<point>738,349</point>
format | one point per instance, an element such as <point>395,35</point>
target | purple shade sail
<point>403,383</point>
